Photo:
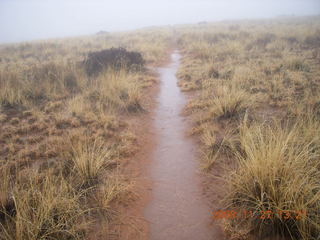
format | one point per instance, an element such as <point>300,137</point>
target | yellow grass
<point>278,173</point>
<point>257,113</point>
<point>63,135</point>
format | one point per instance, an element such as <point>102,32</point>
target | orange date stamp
<point>263,215</point>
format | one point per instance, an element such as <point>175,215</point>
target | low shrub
<point>115,58</point>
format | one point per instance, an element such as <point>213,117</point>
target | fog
<point>22,20</point>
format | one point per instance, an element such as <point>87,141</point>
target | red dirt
<point>186,214</point>
<point>135,227</point>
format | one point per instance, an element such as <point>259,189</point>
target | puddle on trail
<point>177,210</point>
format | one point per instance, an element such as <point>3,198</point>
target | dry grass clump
<point>230,102</point>
<point>117,90</point>
<point>115,188</point>
<point>78,105</point>
<point>278,172</point>
<point>44,208</point>
<point>5,186</point>
<point>89,158</point>
<point>218,146</point>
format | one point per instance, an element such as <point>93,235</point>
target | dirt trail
<point>177,209</point>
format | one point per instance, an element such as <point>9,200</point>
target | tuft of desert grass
<point>278,171</point>
<point>45,207</point>
<point>5,187</point>
<point>216,146</point>
<point>117,90</point>
<point>230,102</point>
<point>89,158</point>
<point>115,188</point>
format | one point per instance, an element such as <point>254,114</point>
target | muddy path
<point>176,209</point>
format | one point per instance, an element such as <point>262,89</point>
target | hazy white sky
<point>22,20</point>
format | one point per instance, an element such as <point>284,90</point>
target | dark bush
<point>316,108</point>
<point>313,40</point>
<point>71,83</point>
<point>213,73</point>
<point>262,41</point>
<point>291,40</point>
<point>115,58</point>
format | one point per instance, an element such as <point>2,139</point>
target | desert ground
<point>196,131</point>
